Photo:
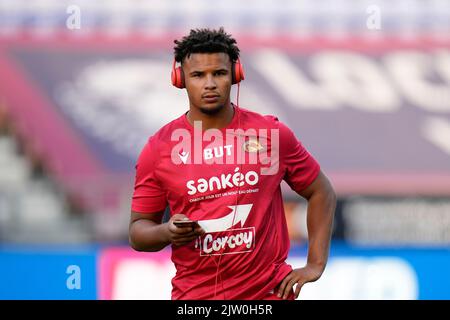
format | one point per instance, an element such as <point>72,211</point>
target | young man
<point>221,166</point>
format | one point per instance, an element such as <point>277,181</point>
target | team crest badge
<point>252,145</point>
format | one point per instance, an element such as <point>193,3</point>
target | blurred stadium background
<point>364,84</point>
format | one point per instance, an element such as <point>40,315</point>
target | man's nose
<point>210,83</point>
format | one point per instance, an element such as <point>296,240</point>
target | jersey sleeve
<point>301,169</point>
<point>148,195</point>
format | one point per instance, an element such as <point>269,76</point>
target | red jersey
<point>229,180</point>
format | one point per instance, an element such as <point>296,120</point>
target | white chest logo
<point>217,152</point>
<point>184,156</point>
<point>222,237</point>
<point>238,214</point>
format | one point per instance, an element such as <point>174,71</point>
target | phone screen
<point>185,223</point>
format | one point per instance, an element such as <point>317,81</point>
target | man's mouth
<point>210,98</point>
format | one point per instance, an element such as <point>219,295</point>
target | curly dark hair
<point>206,41</point>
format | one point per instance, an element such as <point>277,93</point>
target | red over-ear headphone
<point>237,74</point>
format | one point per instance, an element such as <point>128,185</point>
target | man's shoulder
<point>258,119</point>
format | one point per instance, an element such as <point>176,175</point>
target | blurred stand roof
<point>260,18</point>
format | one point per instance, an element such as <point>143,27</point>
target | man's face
<point>207,78</point>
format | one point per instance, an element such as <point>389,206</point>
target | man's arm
<point>148,233</point>
<point>321,205</point>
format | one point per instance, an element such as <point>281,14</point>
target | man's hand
<point>321,205</point>
<point>309,273</point>
<point>180,236</point>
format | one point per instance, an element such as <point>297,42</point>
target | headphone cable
<point>218,274</point>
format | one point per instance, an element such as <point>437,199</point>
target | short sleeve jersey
<point>229,180</point>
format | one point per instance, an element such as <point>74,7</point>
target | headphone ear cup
<point>178,77</point>
<point>237,74</point>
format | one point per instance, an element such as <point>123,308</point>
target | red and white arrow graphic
<point>239,212</point>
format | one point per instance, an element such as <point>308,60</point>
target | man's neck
<point>215,121</point>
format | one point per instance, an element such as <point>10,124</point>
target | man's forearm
<point>146,235</point>
<point>321,207</point>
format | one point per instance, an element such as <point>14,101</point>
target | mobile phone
<point>186,223</point>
